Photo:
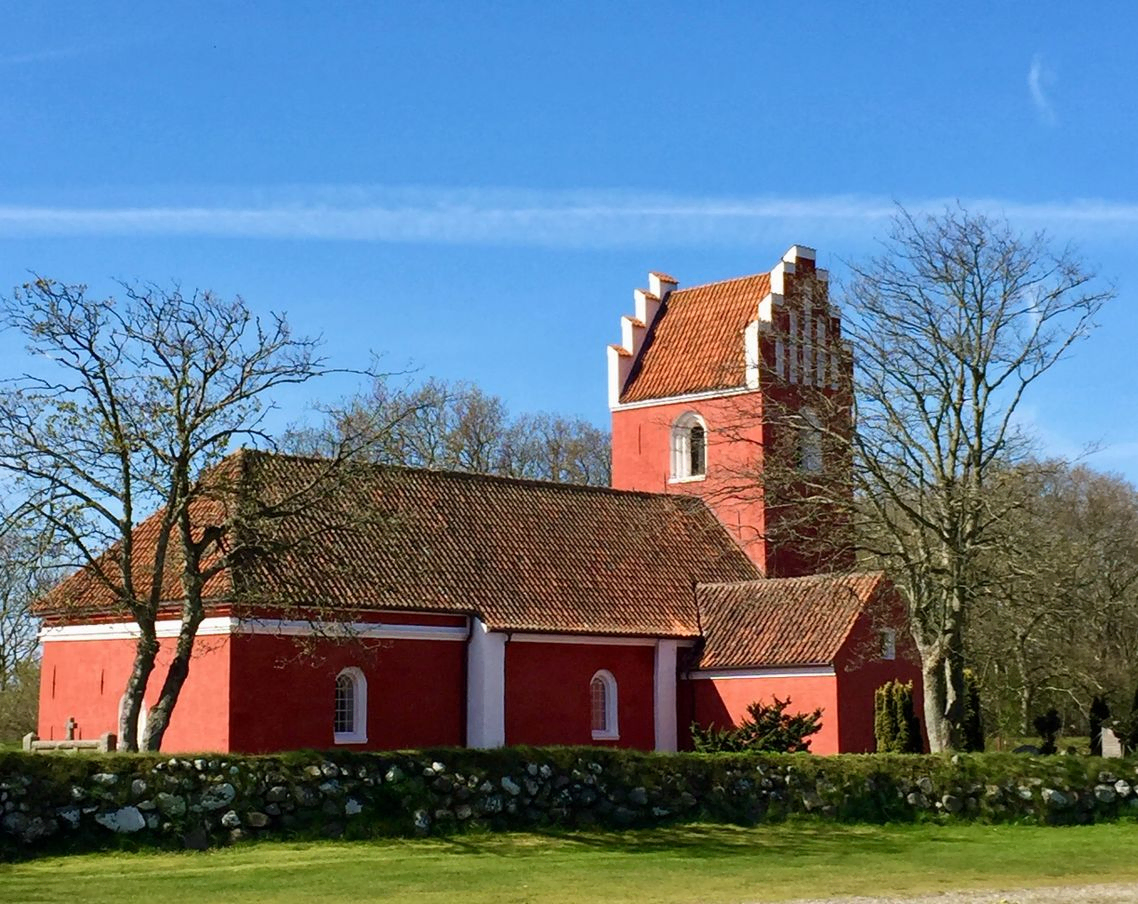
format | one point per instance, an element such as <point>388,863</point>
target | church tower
<point>739,392</point>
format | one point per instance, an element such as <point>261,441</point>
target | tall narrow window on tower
<point>689,447</point>
<point>810,442</point>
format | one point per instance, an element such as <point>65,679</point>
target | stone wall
<point>53,802</point>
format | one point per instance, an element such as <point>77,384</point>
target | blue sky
<point>476,189</point>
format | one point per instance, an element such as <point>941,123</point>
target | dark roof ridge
<point>454,474</point>
<point>681,290</point>
<point>822,575</point>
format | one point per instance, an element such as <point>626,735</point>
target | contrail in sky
<point>514,217</point>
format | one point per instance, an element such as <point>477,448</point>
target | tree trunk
<point>944,702</point>
<point>159,718</point>
<point>145,652</point>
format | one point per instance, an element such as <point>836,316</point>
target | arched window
<point>602,698</point>
<point>689,447</point>
<point>349,714</point>
<point>810,442</point>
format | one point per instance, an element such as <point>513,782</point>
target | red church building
<point>482,611</point>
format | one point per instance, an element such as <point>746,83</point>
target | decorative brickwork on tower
<point>732,391</point>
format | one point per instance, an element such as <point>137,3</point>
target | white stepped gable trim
<point>773,302</point>
<point>751,353</point>
<point>216,626</point>
<point>659,286</point>
<point>799,252</point>
<point>620,365</point>
<point>631,333</point>
<point>647,306</point>
<point>781,270</point>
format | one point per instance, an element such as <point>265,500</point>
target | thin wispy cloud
<point>38,56</point>
<point>553,219</point>
<point>1039,80</point>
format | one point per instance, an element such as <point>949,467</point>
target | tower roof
<point>696,341</point>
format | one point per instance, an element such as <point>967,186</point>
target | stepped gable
<point>696,341</point>
<point>523,555</point>
<point>781,621</point>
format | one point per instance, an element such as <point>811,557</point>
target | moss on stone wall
<point>62,803</point>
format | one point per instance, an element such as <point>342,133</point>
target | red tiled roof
<point>781,621</point>
<point>523,555</point>
<point>696,342</point>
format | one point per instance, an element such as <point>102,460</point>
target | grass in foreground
<point>686,863</point>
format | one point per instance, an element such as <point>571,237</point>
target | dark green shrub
<point>895,723</point>
<point>884,719</point>
<point>973,719</point>
<point>768,729</point>
<point>1047,726</point>
<point>1098,715</point>
<point>1129,726</point>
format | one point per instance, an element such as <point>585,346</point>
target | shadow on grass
<point>709,841</point>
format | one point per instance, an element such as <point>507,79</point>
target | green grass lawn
<point>688,863</point>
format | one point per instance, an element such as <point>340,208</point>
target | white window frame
<point>888,643</point>
<point>358,732</point>
<point>681,470</point>
<point>611,730</point>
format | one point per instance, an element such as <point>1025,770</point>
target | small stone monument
<point>1111,743</point>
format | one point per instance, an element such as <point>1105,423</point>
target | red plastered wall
<point>547,693</point>
<point>861,671</point>
<point>641,460</point>
<point>724,701</point>
<point>85,680</point>
<point>283,696</point>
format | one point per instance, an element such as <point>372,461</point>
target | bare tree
<point>126,408</point>
<point>458,426</point>
<point>23,577</point>
<point>950,328</point>
<point>1057,622</point>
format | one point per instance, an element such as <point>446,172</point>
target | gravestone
<point>1111,743</point>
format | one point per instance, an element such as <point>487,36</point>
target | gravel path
<point>1122,893</point>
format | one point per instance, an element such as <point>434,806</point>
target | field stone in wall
<point>218,796</point>
<point>125,820</point>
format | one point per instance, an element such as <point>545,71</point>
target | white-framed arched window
<point>602,704</point>
<point>810,442</point>
<point>689,447</point>
<point>349,714</point>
